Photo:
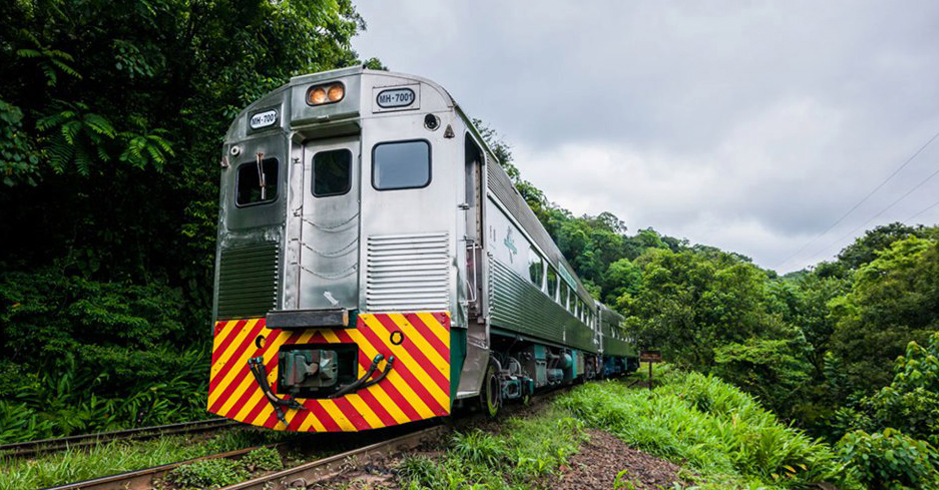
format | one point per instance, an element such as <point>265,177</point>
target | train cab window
<point>552,283</point>
<point>332,173</point>
<point>256,183</point>
<point>536,268</point>
<point>401,165</point>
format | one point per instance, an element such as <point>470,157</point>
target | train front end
<point>336,271</point>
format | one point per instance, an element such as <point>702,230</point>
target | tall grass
<point>117,457</point>
<point>710,426</point>
<point>521,456</point>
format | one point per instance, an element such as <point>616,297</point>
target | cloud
<point>751,127</point>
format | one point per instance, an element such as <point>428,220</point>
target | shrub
<point>208,473</point>
<point>708,425</point>
<point>890,459</point>
<point>264,459</point>
<point>911,402</point>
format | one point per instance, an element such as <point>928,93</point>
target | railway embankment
<point>689,431</point>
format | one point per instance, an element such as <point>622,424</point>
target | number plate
<point>263,119</point>
<point>398,97</point>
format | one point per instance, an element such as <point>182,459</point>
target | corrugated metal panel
<point>614,346</point>
<point>500,185</point>
<point>247,284</point>
<point>408,273</point>
<point>518,306</point>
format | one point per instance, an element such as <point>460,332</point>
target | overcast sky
<point>751,126</point>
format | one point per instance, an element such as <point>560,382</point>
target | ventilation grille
<point>408,273</point>
<point>247,284</point>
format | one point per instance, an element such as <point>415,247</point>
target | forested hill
<point>111,118</point>
<point>112,115</point>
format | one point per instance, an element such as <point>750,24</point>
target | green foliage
<point>208,473</point>
<point>264,459</point>
<point>111,118</point>
<point>624,277</point>
<point>911,402</point>
<point>866,248</point>
<point>479,447</point>
<point>76,136</point>
<point>18,158</point>
<point>773,370</point>
<point>63,467</point>
<point>690,304</point>
<point>710,426</point>
<point>892,301</point>
<point>890,460</point>
<point>111,356</point>
<point>521,455</point>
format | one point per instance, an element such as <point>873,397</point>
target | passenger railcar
<point>376,266</point>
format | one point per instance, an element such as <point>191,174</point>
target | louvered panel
<point>408,273</point>
<point>247,284</point>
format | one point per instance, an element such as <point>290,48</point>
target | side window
<point>552,283</point>
<point>535,268</point>
<point>401,165</point>
<point>564,295</point>
<point>257,183</point>
<point>332,173</point>
<point>572,304</point>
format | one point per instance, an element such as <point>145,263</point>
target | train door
<point>473,206</point>
<point>329,234</point>
<point>477,328</point>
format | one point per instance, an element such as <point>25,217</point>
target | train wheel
<point>490,397</point>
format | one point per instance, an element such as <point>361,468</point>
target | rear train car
<point>375,265</point>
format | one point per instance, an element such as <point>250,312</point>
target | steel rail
<point>301,475</point>
<point>145,478</point>
<point>29,448</point>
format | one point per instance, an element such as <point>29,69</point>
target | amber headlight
<point>317,96</point>
<point>325,94</point>
<point>335,93</point>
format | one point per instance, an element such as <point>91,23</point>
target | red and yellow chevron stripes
<point>418,386</point>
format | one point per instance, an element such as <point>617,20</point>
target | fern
<point>51,61</point>
<point>76,136</point>
<point>146,148</point>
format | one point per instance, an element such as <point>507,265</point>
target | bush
<point>264,459</point>
<point>208,473</point>
<point>911,402</point>
<point>710,426</point>
<point>86,356</point>
<point>890,460</point>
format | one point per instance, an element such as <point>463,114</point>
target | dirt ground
<point>599,460</point>
<point>595,466</point>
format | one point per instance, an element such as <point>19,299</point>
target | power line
<point>862,201</point>
<point>911,218</point>
<point>882,211</point>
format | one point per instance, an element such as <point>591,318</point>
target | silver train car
<point>376,266</point>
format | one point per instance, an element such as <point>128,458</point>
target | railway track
<point>30,448</point>
<point>309,473</point>
<point>363,449</point>
<point>303,474</point>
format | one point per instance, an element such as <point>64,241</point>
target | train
<point>376,266</point>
